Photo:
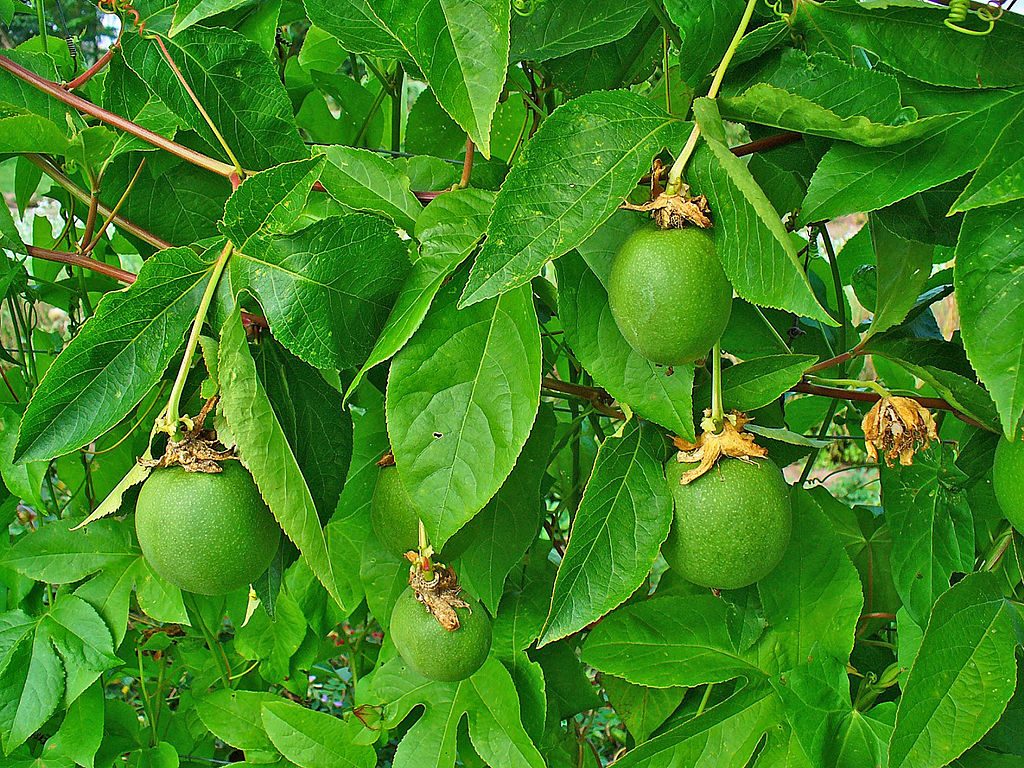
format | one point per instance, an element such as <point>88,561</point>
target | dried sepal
<point>197,450</point>
<point>898,427</point>
<point>676,211</point>
<point>711,446</point>
<point>437,588</point>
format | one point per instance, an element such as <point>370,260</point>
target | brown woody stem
<point>467,164</point>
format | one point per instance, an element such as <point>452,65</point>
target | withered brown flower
<point>711,446</point>
<point>438,590</point>
<point>898,427</point>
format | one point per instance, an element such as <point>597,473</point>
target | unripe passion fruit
<point>1008,480</point>
<point>731,526</point>
<point>669,295</point>
<point>395,518</point>
<point>433,651</point>
<point>206,533</point>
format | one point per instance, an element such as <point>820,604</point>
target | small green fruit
<point>731,525</point>
<point>395,518</point>
<point>433,651</point>
<point>1008,480</point>
<point>206,533</point>
<point>669,295</point>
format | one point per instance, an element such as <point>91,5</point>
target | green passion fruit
<point>433,651</point>
<point>395,518</point>
<point>1008,480</point>
<point>669,294</point>
<point>206,533</point>
<point>731,526</point>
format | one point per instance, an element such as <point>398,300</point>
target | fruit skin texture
<point>669,294</point>
<point>1008,480</point>
<point>395,518</point>
<point>206,533</point>
<point>433,651</point>
<point>731,525</point>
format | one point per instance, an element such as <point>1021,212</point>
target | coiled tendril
<point>959,10</point>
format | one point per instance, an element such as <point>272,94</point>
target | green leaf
<point>81,731</point>
<point>126,94</point>
<point>357,26</point>
<point>54,553</point>
<point>306,404</point>
<point>234,718</point>
<point>269,202</point>
<point>237,84</point>
<point>488,699</point>
<point>904,267</point>
<point>22,480</point>
<point>557,29</point>
<point>189,12</point>
<point>117,357</point>
<point>642,709</point>
<point>813,597</point>
<point>264,449</point>
<point>502,532</point>
<point>35,655</point>
<point>914,40</point>
<point>551,202</point>
<point>462,397</point>
<point>349,528</point>
<point>706,29</point>
<point>672,641</point>
<point>326,290</point>
<point>315,739</point>
<point>448,230</point>
<point>726,734</point>
<point>757,252</point>
<point>365,181</point>
<point>851,179</point>
<point>825,96</point>
<point>967,655</point>
<point>621,522</point>
<point>1000,177</point>
<point>755,383</point>
<point>600,347</point>
<point>932,527</point>
<point>988,276</point>
<point>30,133</point>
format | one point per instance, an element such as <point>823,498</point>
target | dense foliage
<point>397,259</point>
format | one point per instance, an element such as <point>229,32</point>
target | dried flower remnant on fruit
<point>676,211</point>
<point>197,450</point>
<point>898,427</point>
<point>437,588</point>
<point>710,446</point>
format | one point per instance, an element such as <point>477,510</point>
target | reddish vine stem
<point>467,164</point>
<point>934,403</point>
<point>96,68</point>
<point>55,173</point>
<point>88,108</point>
<point>121,275</point>
<point>838,359</point>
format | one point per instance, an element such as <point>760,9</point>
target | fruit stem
<point>424,544</point>
<point>169,423</point>
<point>675,175</point>
<point>717,406</point>
<point>874,386</point>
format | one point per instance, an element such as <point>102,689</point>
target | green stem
<point>41,18</point>
<point>778,337</point>
<point>666,23</point>
<point>833,406</point>
<point>147,705</point>
<point>874,386</point>
<point>837,284</point>
<point>171,418</point>
<point>215,647</point>
<point>377,101</point>
<point>397,104</point>
<point>717,406</point>
<point>675,175</point>
<point>704,700</point>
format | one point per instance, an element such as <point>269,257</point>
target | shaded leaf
<point>462,397</point>
<point>558,29</point>
<point>904,267</point>
<point>621,522</point>
<point>706,28</point>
